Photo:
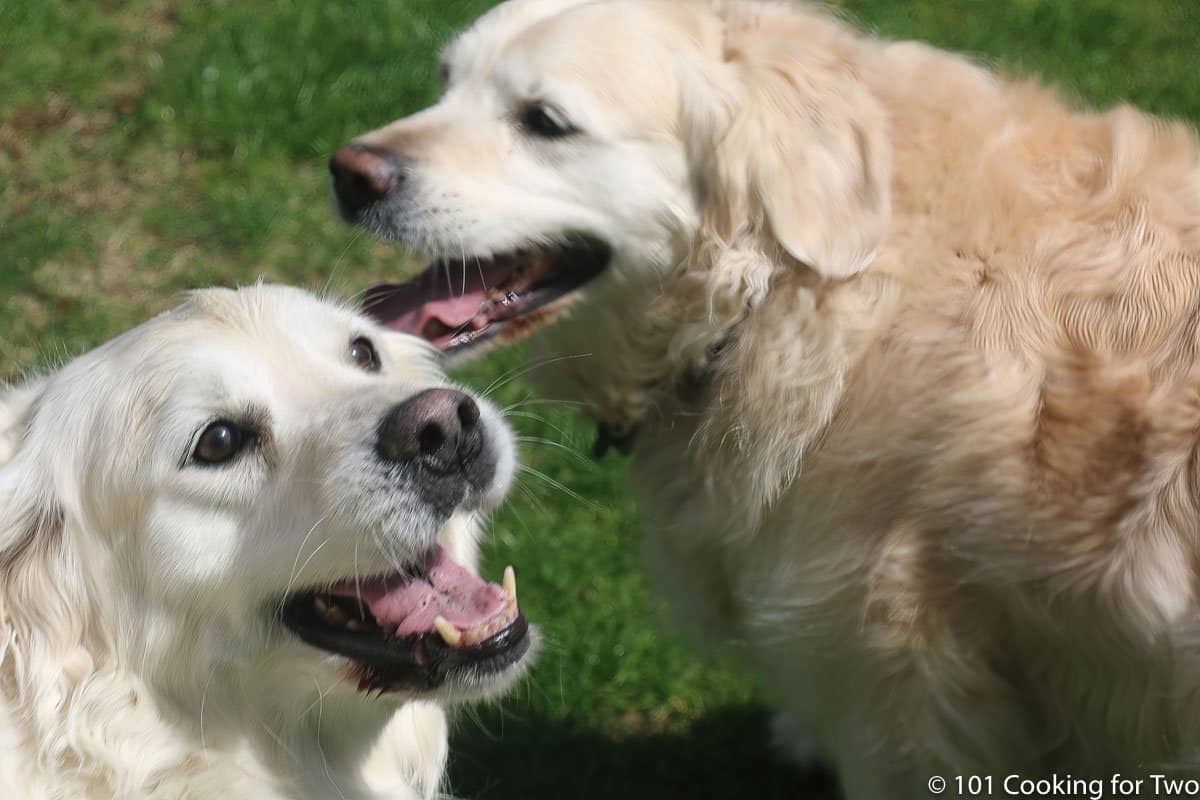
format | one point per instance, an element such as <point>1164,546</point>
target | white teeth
<point>320,603</point>
<point>481,632</point>
<point>355,625</point>
<point>450,634</point>
<point>510,583</point>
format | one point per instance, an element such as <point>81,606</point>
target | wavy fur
<point>139,652</point>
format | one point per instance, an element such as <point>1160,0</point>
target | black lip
<point>421,662</point>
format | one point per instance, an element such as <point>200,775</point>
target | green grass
<point>148,146</point>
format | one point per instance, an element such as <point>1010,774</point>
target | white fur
<point>910,350</point>
<point>140,655</point>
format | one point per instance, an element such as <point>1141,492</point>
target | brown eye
<point>545,122</point>
<point>363,354</point>
<point>219,442</point>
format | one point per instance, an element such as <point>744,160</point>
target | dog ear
<point>40,575</point>
<point>33,580</point>
<point>16,401</point>
<point>30,521</point>
<point>800,149</point>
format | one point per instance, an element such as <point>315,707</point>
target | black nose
<point>438,427</point>
<point>362,175</point>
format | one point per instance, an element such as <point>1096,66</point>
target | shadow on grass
<point>725,755</point>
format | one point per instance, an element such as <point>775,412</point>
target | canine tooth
<point>510,583</point>
<point>320,603</point>
<point>336,615</point>
<point>450,634</point>
<point>355,625</point>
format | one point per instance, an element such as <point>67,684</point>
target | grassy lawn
<point>148,146</point>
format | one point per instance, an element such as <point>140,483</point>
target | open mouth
<point>414,629</point>
<point>460,303</point>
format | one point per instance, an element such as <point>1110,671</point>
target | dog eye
<point>545,121</point>
<point>363,354</point>
<point>219,442</point>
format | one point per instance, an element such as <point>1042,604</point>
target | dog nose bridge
<point>406,138</point>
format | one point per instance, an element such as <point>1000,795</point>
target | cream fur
<point>911,352</point>
<point>140,656</point>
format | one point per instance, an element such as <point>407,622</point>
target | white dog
<point>910,352</point>
<point>235,554</point>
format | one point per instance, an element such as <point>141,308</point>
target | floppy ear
<point>800,150</point>
<point>41,577</point>
<point>15,404</point>
<point>30,522</point>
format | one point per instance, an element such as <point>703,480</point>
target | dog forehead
<point>279,339</point>
<point>265,309</point>
<point>623,55</point>
<point>476,47</point>
<point>247,341</point>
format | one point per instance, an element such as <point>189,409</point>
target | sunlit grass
<point>149,146</point>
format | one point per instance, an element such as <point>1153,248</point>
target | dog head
<point>601,156</point>
<point>253,500</point>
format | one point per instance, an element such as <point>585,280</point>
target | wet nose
<point>438,428</point>
<point>362,175</point>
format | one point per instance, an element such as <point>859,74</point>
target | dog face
<point>262,489</point>
<point>547,166</point>
<point>585,152</point>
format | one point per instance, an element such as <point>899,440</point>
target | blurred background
<point>151,146</point>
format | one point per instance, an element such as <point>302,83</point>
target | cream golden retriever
<point>235,552</point>
<point>906,352</point>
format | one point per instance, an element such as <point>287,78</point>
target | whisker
<point>534,500</point>
<point>355,297</point>
<point>512,375</point>
<point>321,695</point>
<point>562,488</point>
<point>482,277</point>
<point>275,736</point>
<point>533,401</point>
<point>575,454</point>
<point>311,556</point>
<point>337,262</point>
<point>300,551</point>
<point>320,747</point>
<point>358,585</point>
<point>203,700</point>
<point>543,421</point>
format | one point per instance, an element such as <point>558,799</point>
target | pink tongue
<point>454,314</point>
<point>450,293</point>
<point>449,590</point>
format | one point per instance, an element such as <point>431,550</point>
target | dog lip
<point>383,623</point>
<point>419,662</point>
